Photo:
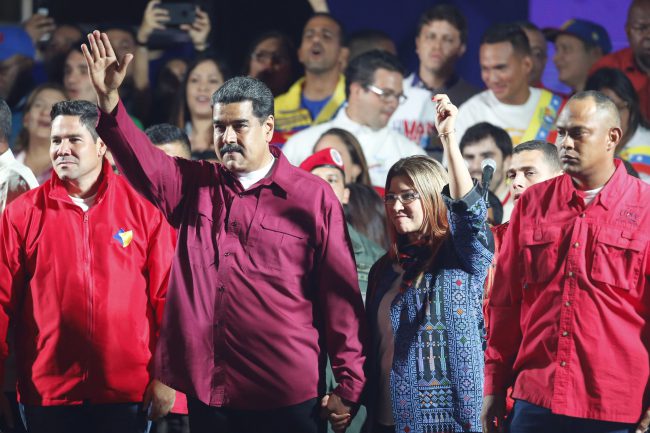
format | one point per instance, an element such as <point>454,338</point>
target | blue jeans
<point>97,418</point>
<point>530,418</point>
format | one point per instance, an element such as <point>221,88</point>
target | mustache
<point>231,148</point>
<point>62,159</point>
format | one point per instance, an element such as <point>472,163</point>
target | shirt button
<point>240,195</point>
<point>525,285</point>
<point>565,333</point>
<point>226,254</point>
<point>567,304</point>
<point>562,364</point>
<point>222,288</point>
<point>582,215</point>
<point>570,274</point>
<point>576,245</point>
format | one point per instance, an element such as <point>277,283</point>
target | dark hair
<point>164,133</point>
<point>508,32</point>
<point>285,41</point>
<point>240,89</point>
<point>551,157</point>
<point>181,111</point>
<point>361,69</point>
<point>125,28</point>
<point>355,150</point>
<point>86,111</point>
<point>445,12</point>
<point>484,130</point>
<point>616,81</point>
<point>22,141</point>
<point>5,121</point>
<point>527,25</point>
<point>342,36</point>
<point>367,40</point>
<point>365,212</point>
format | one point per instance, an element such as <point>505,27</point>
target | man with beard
<point>316,97</point>
<point>374,89</point>
<point>634,60</point>
<point>568,316</point>
<point>264,272</point>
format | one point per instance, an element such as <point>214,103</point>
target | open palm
<point>106,72</point>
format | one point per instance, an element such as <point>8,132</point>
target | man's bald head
<point>605,107</point>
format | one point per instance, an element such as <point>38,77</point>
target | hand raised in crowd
<point>106,72</point>
<point>199,30</point>
<point>446,114</point>
<point>319,5</point>
<point>154,18</point>
<point>160,398</point>
<point>493,414</point>
<point>38,25</point>
<point>337,412</point>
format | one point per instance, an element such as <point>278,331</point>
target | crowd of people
<point>320,239</point>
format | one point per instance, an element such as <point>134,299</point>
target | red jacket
<point>85,299</point>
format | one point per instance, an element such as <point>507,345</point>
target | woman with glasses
<point>425,371</point>
<point>634,146</point>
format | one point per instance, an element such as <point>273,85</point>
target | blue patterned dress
<point>437,371</point>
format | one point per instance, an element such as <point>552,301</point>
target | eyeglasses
<point>387,95</point>
<point>404,198</point>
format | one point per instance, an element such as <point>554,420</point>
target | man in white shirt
<point>440,42</point>
<point>510,103</point>
<point>374,90</point>
<point>15,178</point>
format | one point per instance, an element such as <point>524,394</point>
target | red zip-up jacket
<point>85,292</point>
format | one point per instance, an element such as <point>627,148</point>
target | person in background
<point>272,59</point>
<point>525,112</point>
<point>374,89</point>
<point>356,167</point>
<point>634,147</point>
<point>440,42</point>
<point>193,109</point>
<point>579,44</point>
<point>16,61</point>
<point>538,52</point>
<point>425,361</point>
<point>483,141</point>
<point>634,60</point>
<point>33,143</point>
<point>316,97</point>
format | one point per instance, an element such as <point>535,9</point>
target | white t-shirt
<point>249,179</point>
<point>485,107</point>
<point>84,203</point>
<point>382,148</point>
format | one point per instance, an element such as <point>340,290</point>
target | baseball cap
<point>587,31</point>
<point>328,157</point>
<point>14,40</point>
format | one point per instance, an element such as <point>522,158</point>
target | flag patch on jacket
<point>124,238</point>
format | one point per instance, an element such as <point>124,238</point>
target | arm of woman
<point>460,181</point>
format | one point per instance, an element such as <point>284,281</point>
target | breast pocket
<point>284,246</point>
<point>540,254</point>
<point>617,258</point>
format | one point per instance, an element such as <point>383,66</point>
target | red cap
<point>327,157</point>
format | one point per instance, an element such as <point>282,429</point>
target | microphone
<point>488,166</point>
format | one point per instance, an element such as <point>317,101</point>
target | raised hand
<point>446,113</point>
<point>198,30</point>
<point>106,72</point>
<point>154,18</point>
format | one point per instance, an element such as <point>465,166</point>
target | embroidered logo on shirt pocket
<point>540,254</point>
<point>617,258</point>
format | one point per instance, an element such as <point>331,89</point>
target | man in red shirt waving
<point>569,320</point>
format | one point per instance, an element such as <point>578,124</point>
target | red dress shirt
<point>569,314</point>
<point>258,277</point>
<point>624,60</point>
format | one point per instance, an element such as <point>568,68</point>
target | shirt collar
<point>58,188</point>
<point>612,191</point>
<point>7,159</point>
